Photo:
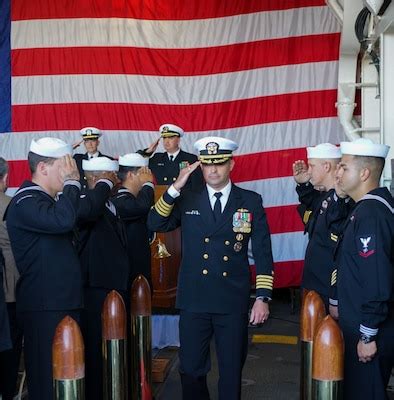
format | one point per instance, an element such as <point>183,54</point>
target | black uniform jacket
<point>214,275</point>
<point>102,241</point>
<point>166,171</point>
<point>133,210</point>
<point>41,232</point>
<point>365,260</point>
<point>323,214</point>
<point>78,159</point>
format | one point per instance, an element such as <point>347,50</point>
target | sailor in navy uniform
<point>365,278</point>
<point>166,166</point>
<point>133,201</point>
<point>217,221</point>
<point>323,210</point>
<point>40,224</point>
<point>90,138</point>
<point>105,265</point>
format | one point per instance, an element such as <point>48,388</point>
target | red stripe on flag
<point>280,224</point>
<point>287,273</point>
<point>149,9</point>
<point>19,171</point>
<point>201,117</point>
<point>265,165</point>
<point>202,61</point>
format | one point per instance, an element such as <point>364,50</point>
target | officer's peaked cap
<point>100,164</point>
<point>50,147</point>
<point>215,150</point>
<point>169,130</point>
<point>324,151</point>
<point>133,160</point>
<point>365,147</point>
<point>90,132</point>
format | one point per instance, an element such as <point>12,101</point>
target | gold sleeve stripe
<point>164,209</point>
<point>306,216</point>
<point>334,237</point>
<point>264,277</point>
<point>262,286</point>
<point>268,281</point>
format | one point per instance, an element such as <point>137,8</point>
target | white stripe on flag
<point>174,90</point>
<point>80,32</point>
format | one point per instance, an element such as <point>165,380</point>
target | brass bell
<point>162,251</point>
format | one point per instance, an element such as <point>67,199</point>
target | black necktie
<point>171,158</point>
<point>217,208</point>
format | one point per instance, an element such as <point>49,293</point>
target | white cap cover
<point>133,160</point>
<point>100,164</point>
<point>168,130</point>
<point>324,151</point>
<point>50,147</point>
<point>365,147</point>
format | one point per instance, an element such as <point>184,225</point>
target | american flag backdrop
<point>260,72</point>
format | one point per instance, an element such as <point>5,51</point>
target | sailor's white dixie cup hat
<point>133,160</point>
<point>100,164</point>
<point>365,147</point>
<point>324,151</point>
<point>50,147</point>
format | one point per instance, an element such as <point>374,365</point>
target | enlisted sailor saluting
<point>40,224</point>
<point>91,140</point>
<point>365,278</point>
<point>166,166</point>
<point>218,221</point>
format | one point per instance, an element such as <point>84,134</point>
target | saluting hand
<point>184,174</point>
<point>300,172</point>
<point>260,312</point>
<point>145,175</point>
<point>153,146</point>
<point>68,168</point>
<point>77,144</point>
<point>110,175</point>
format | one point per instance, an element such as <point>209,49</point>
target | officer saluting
<point>166,166</point>
<point>218,221</point>
<point>40,224</point>
<point>90,138</point>
<point>365,272</point>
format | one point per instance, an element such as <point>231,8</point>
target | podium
<point>165,270</point>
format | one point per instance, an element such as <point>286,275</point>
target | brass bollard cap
<point>113,317</point>
<point>141,301</point>
<point>68,351</point>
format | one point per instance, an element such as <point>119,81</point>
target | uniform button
<point>224,273</point>
<point>205,256</point>
<point>225,258</point>
<point>204,271</point>
<point>226,242</point>
<point>206,240</point>
<point>165,179</point>
<point>174,179</point>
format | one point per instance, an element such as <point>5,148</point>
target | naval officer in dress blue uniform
<point>40,224</point>
<point>166,166</point>
<point>365,278</point>
<point>91,140</point>
<point>323,209</point>
<point>217,221</point>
